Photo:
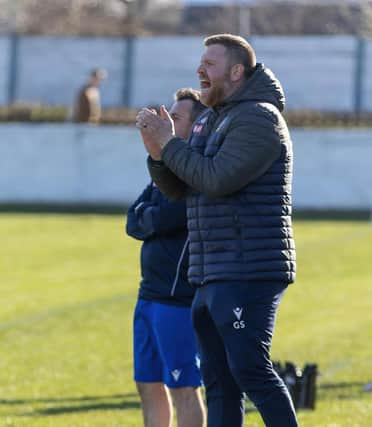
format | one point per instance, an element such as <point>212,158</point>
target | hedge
<point>125,116</point>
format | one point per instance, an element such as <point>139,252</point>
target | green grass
<point>68,286</point>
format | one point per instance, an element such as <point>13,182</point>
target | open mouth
<point>205,84</point>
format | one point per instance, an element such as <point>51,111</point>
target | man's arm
<point>247,152</point>
<point>164,216</point>
<point>147,218</point>
<point>168,183</point>
<point>156,131</point>
<point>133,226</point>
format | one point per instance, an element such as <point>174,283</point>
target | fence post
<point>128,71</point>
<point>13,67</point>
<point>243,17</point>
<point>360,63</point>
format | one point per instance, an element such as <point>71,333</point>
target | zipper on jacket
<point>179,267</point>
<point>201,278</point>
<point>239,237</point>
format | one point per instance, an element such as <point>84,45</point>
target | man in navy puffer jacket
<point>165,352</point>
<point>236,174</point>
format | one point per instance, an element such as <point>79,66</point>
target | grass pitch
<point>68,286</point>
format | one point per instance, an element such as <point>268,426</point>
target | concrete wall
<point>333,169</point>
<point>82,164</point>
<point>70,164</point>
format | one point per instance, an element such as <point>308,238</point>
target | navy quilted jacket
<point>161,225</point>
<point>236,172</point>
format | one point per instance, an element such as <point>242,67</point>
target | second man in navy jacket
<point>165,352</point>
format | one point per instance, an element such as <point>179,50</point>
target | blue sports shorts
<point>164,345</point>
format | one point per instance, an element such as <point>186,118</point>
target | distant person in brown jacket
<point>88,105</point>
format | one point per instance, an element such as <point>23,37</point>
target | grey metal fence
<point>317,72</point>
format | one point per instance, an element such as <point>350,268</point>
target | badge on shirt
<point>198,127</point>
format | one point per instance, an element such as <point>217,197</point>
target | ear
<point>237,72</point>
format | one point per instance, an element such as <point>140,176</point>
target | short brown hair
<point>192,95</point>
<point>238,49</point>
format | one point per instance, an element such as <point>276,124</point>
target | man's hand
<point>156,130</point>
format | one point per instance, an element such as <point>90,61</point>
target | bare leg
<point>156,404</point>
<point>189,406</point>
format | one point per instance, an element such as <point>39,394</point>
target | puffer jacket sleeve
<point>169,184</point>
<point>247,152</point>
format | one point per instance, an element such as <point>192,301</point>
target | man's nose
<point>200,69</point>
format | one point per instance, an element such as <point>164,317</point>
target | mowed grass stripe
<point>62,311</point>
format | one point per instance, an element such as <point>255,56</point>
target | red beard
<point>213,97</point>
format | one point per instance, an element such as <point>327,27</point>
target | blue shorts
<point>164,345</point>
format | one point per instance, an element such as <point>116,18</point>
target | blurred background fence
<point>323,73</point>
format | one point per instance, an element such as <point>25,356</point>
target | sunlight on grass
<point>68,287</point>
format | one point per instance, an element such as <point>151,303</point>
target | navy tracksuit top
<point>161,225</point>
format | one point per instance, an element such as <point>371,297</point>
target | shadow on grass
<point>60,410</point>
<point>118,209</point>
<point>68,405</point>
<point>76,404</point>
<point>329,391</point>
<point>97,403</point>
<point>332,215</point>
<point>341,391</point>
<point>341,385</point>
<point>63,399</point>
<point>62,208</point>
